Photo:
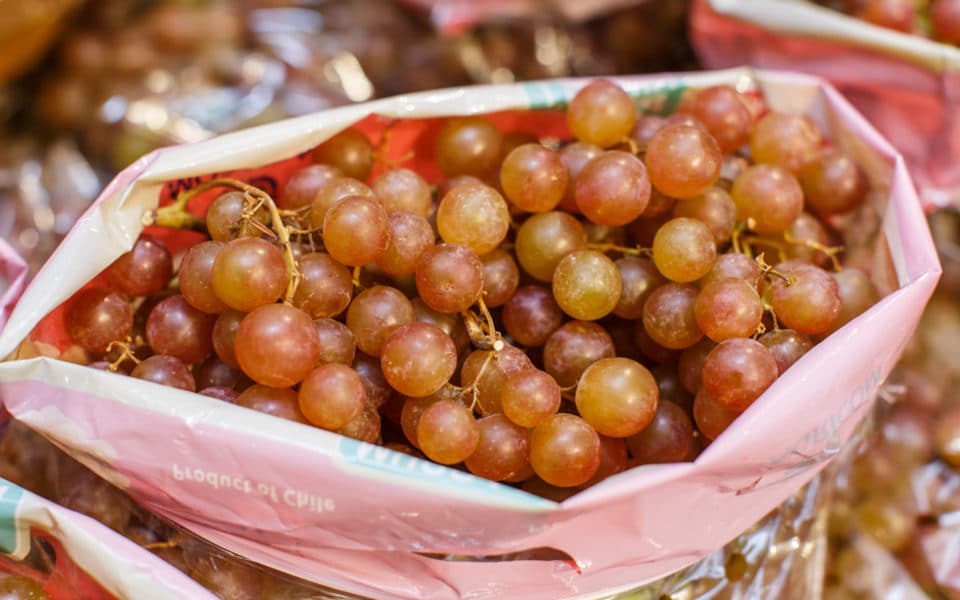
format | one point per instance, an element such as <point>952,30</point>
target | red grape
<point>613,189</point>
<point>502,451</point>
<point>564,450</point>
<point>142,271</point>
<point>601,113</point>
<point>617,396</point>
<point>277,345</point>
<point>683,161</point>
<point>737,371</point>
<point>534,178</point>
<point>97,316</point>
<point>418,359</point>
<point>165,370</point>
<point>331,396</point>
<point>177,329</point>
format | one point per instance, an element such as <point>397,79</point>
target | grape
<point>806,231</point>
<point>714,208</point>
<point>418,359</point>
<point>449,277</point>
<point>574,347</point>
<point>789,141</point>
<point>498,369</point>
<point>892,14</point>
<point>613,189</point>
<point>365,428</point>
<point>410,416</point>
<point>325,288</point>
<point>277,345</point>
<point>683,161</point>
<point>224,336</point>
<point>21,588</point>
<point>356,231</point>
<point>403,189</point>
<point>586,285</point>
<point>534,178</point>
<point>575,157</point>
<point>658,205</point>
<point>331,396</point>
<point>733,265</point>
<point>909,433</point>
<point>737,371</point>
<point>224,394</point>
<point>178,329</point>
<point>332,193</point>
<point>857,294</point>
<point>668,438</point>
<point>642,231</point>
<point>947,438</point>
<point>216,373</point>
<point>142,271</point>
<point>502,451</point>
<point>728,308</point>
<point>375,385</point>
<point>886,521</point>
<point>249,272</point>
<point>529,396</point>
<point>638,277</point>
<point>223,217</point>
<point>768,196</point>
<point>97,316</point>
<point>336,342</point>
<point>445,186</point>
<point>500,277</point>
<point>449,323</point>
<point>684,250</point>
<point>564,450</point>
<point>349,151</point>
<point>447,433</point>
<point>724,113</point>
<point>538,487</point>
<point>945,19</point>
<point>303,186</point>
<point>601,113</point>
<point>617,396</point>
<point>613,459</point>
<point>833,183</point>
<point>669,317</point>
<point>531,315</point>
<point>165,370</point>
<point>196,277</point>
<point>671,388</point>
<point>410,236</point>
<point>787,346</point>
<point>468,146</point>
<point>690,364</point>
<point>473,215</point>
<point>644,130</point>
<point>376,313</point>
<point>711,417</point>
<point>279,402</point>
<point>811,303</point>
<point>544,239</point>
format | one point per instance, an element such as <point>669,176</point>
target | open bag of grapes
<point>906,85</point>
<point>628,344</point>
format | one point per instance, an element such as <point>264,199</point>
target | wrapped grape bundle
<point>904,84</point>
<point>578,365</point>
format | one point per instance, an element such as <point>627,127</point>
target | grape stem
<point>766,269</point>
<point>125,354</point>
<point>356,277</point>
<point>773,315</point>
<point>380,155</point>
<point>626,251</point>
<point>830,251</point>
<point>483,333</point>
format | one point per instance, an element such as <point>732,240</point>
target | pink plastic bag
<point>13,277</point>
<point>364,519</point>
<point>907,86</point>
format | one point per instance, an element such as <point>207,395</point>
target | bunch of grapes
<point>935,19</point>
<point>550,313</point>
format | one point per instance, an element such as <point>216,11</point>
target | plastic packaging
<point>301,500</point>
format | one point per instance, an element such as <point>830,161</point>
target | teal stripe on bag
<point>10,496</point>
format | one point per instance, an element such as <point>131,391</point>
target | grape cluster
<point>553,314</point>
<point>936,19</point>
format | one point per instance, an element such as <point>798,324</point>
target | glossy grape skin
<point>786,345</point>
<point>403,189</point>
<point>733,265</point>
<point>668,438</point>
<point>811,304</point>
<point>449,277</point>
<point>544,239</point>
<point>586,285</point>
<point>350,151</point>
<point>165,370</point>
<point>213,372</point>
<point>574,347</point>
<point>617,396</point>
<point>410,416</point>
<point>945,19</point>
<point>224,336</point>
<point>529,396</point>
<point>277,345</point>
<point>613,189</point>
<point>223,394</point>
<point>336,342</point>
<point>601,113</point>
<point>331,396</point>
<point>534,178</point>
<point>638,277</point>
<point>857,294</point>
<point>279,402</point>
<point>671,388</point>
<point>575,157</point>
<point>302,187</point>
<point>450,323</point>
<point>833,183</point>
<point>144,270</point>
<point>468,146</point>
<point>502,451</point>
<point>658,205</point>
<point>531,315</point>
<point>196,277</point>
<point>806,233</point>
<point>249,272</point>
<point>947,437</point>
<point>410,236</point>
<point>177,329</point>
<point>564,450</point>
<point>790,141</point>
<point>474,215</point>
<point>376,313</point>
<point>724,113</point>
<point>684,250</point>
<point>710,416</point>
<point>418,359</point>
<point>714,208</point>
<point>325,288</point>
<point>501,276</point>
<point>669,317</point>
<point>690,364</point>
<point>365,428</point>
<point>898,15</point>
<point>378,391</point>
<point>97,316</point>
<point>224,216</point>
<point>769,196</point>
<point>737,371</point>
<point>447,433</point>
<point>331,193</point>
<point>727,309</point>
<point>356,231</point>
<point>683,161</point>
